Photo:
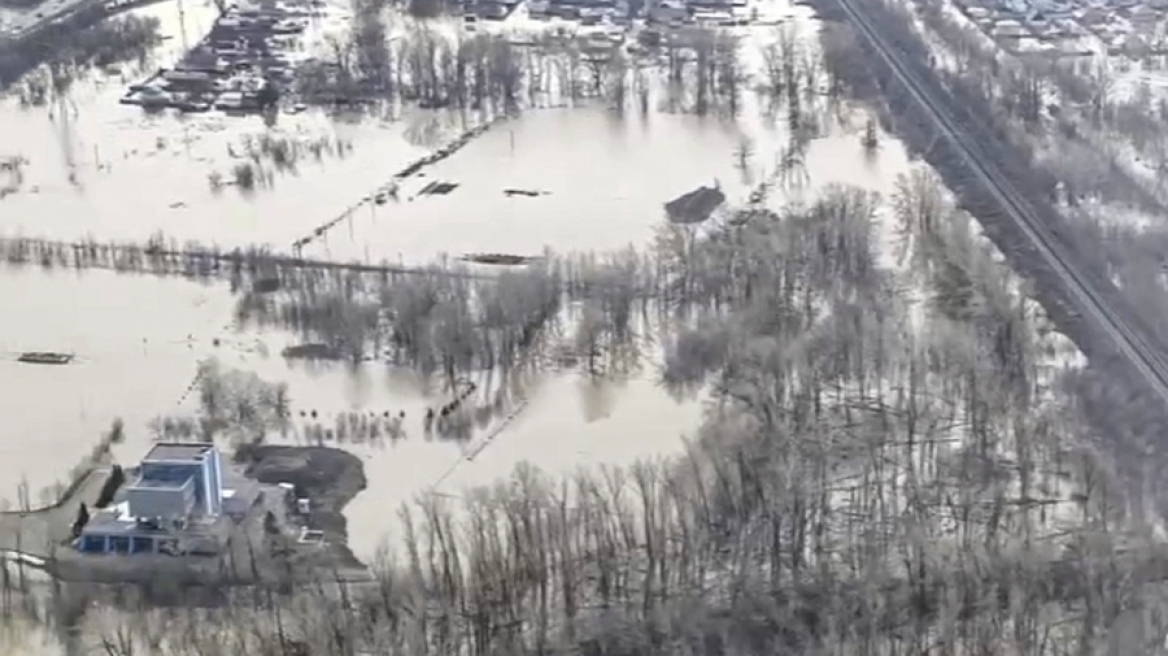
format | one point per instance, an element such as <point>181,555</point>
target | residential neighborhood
<point>610,12</point>
<point>1131,28</point>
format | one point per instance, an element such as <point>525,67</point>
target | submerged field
<point>602,179</point>
<point>135,341</point>
<point>833,384</point>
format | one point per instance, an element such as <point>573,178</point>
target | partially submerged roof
<point>178,451</point>
<point>695,206</point>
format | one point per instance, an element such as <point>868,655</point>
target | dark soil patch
<point>328,477</point>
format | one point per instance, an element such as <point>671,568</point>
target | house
<point>1051,7</point>
<point>177,494</point>
<point>1015,7</point>
<point>1037,20</point>
<point>1132,45</point>
<point>712,17</point>
<point>668,11</point>
<point>1095,17</point>
<point>1143,15</point>
<point>494,10</point>
<point>1009,29</point>
<point>977,13</point>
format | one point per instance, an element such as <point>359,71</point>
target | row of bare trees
<point>1069,162</point>
<point>386,56</point>
<point>891,465</point>
<point>66,50</point>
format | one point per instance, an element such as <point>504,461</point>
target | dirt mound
<point>322,473</point>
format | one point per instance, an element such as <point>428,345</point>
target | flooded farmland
<point>135,343</point>
<point>567,180</point>
<point>598,180</point>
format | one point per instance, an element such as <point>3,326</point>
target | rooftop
<point>160,483</point>
<point>178,451</point>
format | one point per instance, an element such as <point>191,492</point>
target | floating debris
<point>12,163</point>
<point>385,193</point>
<point>389,190</point>
<point>695,206</point>
<point>45,357</point>
<point>525,192</point>
<point>498,258</point>
<point>437,188</point>
<point>266,285</point>
<point>311,352</point>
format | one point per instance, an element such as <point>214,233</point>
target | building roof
<point>178,451</point>
<point>157,483</point>
<point>695,206</point>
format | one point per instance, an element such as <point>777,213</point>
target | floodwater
<point>114,172</point>
<point>136,342</point>
<point>603,181</point>
<point>558,421</point>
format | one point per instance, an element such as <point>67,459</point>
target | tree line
<point>889,464</point>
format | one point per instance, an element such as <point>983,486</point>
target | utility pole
<point>182,26</point>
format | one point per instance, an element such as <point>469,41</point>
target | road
<point>1084,288</point>
<point>17,24</point>
<point>35,532</point>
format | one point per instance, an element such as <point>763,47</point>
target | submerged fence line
<point>390,189</point>
<point>159,256</point>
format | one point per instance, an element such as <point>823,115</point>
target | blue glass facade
<point>173,481</point>
<point>207,472</point>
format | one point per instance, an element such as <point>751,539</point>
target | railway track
<point>1084,289</point>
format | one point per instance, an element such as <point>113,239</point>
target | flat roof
<point>178,451</point>
<point>162,484</point>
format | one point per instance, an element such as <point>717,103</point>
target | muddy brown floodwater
<point>136,342</point>
<point>558,421</point>
<point>99,168</point>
